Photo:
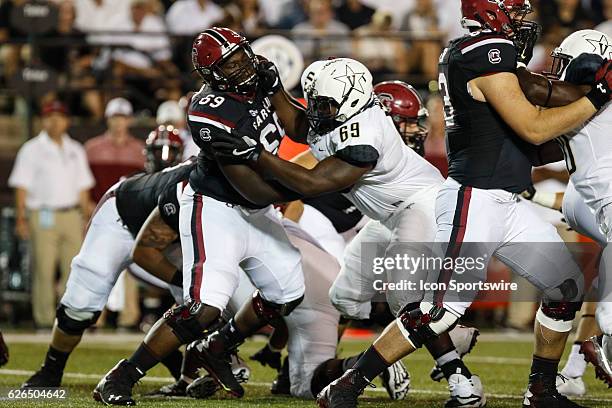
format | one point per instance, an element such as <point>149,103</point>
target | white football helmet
<point>340,89</point>
<point>309,74</point>
<point>580,42</point>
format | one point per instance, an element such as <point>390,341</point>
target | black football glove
<point>601,93</point>
<point>236,148</point>
<point>4,352</point>
<point>582,69</point>
<point>269,77</point>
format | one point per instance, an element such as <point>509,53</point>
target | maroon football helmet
<point>225,61</point>
<point>164,148</point>
<point>500,16</point>
<point>407,111</point>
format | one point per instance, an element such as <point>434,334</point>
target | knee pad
<point>422,322</point>
<point>558,316</point>
<point>74,322</point>
<point>184,322</point>
<point>270,310</point>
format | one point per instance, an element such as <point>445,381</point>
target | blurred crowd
<point>144,45</point>
<point>114,60</point>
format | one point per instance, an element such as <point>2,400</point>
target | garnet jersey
<point>140,194</point>
<point>211,112</point>
<point>370,138</point>
<point>483,151</point>
<point>588,156</point>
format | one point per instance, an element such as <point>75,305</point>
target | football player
<point>361,154</point>
<point>588,151</point>
<point>489,125</point>
<point>220,228</point>
<point>106,250</point>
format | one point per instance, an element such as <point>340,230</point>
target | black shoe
<point>176,389</point>
<point>343,392</point>
<point>267,357</point>
<point>203,387</point>
<point>44,378</point>
<point>282,384</point>
<point>216,359</point>
<point>116,386</point>
<point>542,393</point>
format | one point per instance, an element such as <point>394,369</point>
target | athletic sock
<point>174,362</point>
<point>349,362</point>
<point>55,360</point>
<point>544,366</point>
<point>232,335</point>
<point>455,366</point>
<point>143,358</point>
<point>447,357</point>
<point>371,364</point>
<point>576,364</point>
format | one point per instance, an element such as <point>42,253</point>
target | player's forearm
<point>292,116</point>
<point>252,186</point>
<point>295,177</point>
<point>551,123</point>
<point>153,261</point>
<point>541,91</point>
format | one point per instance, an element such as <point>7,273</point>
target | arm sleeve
<point>24,170</point>
<point>489,55</point>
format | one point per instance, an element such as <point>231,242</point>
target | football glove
<point>234,147</point>
<point>4,352</point>
<point>269,77</point>
<point>601,93</point>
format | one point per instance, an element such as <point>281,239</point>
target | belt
<point>60,209</point>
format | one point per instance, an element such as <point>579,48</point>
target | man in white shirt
<point>52,179</point>
<point>189,17</point>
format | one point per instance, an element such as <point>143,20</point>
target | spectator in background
<point>606,25</point>
<point>423,24</point>
<point>73,63</point>
<point>377,47</point>
<point>52,181</point>
<point>321,36</point>
<point>354,14</point>
<point>250,16</point>
<point>276,13</point>
<point>569,15</point>
<point>174,113</point>
<point>115,153</point>
<point>147,65</point>
<point>435,144</point>
<point>189,17</point>
<point>10,53</point>
<point>101,15</point>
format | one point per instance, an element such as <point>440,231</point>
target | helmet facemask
<point>412,131</point>
<point>160,157</point>
<point>560,61</point>
<point>322,113</point>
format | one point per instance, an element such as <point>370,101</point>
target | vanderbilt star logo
<point>352,80</point>
<point>601,46</point>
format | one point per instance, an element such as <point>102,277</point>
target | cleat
<point>396,380</point>
<point>570,387</point>
<point>176,389</point>
<point>213,357</point>
<point>267,357</point>
<point>116,386</point>
<point>343,392</point>
<point>465,392</point>
<point>595,354</point>
<point>43,378</point>
<point>206,386</point>
<point>542,393</point>
<point>464,338</point>
<point>282,384</point>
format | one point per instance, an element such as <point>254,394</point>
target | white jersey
<point>588,155</point>
<point>399,171</point>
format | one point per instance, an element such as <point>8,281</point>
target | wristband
<point>600,94</point>
<point>545,199</point>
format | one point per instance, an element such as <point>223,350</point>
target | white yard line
<point>6,372</point>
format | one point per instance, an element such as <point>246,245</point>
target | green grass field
<point>502,364</point>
